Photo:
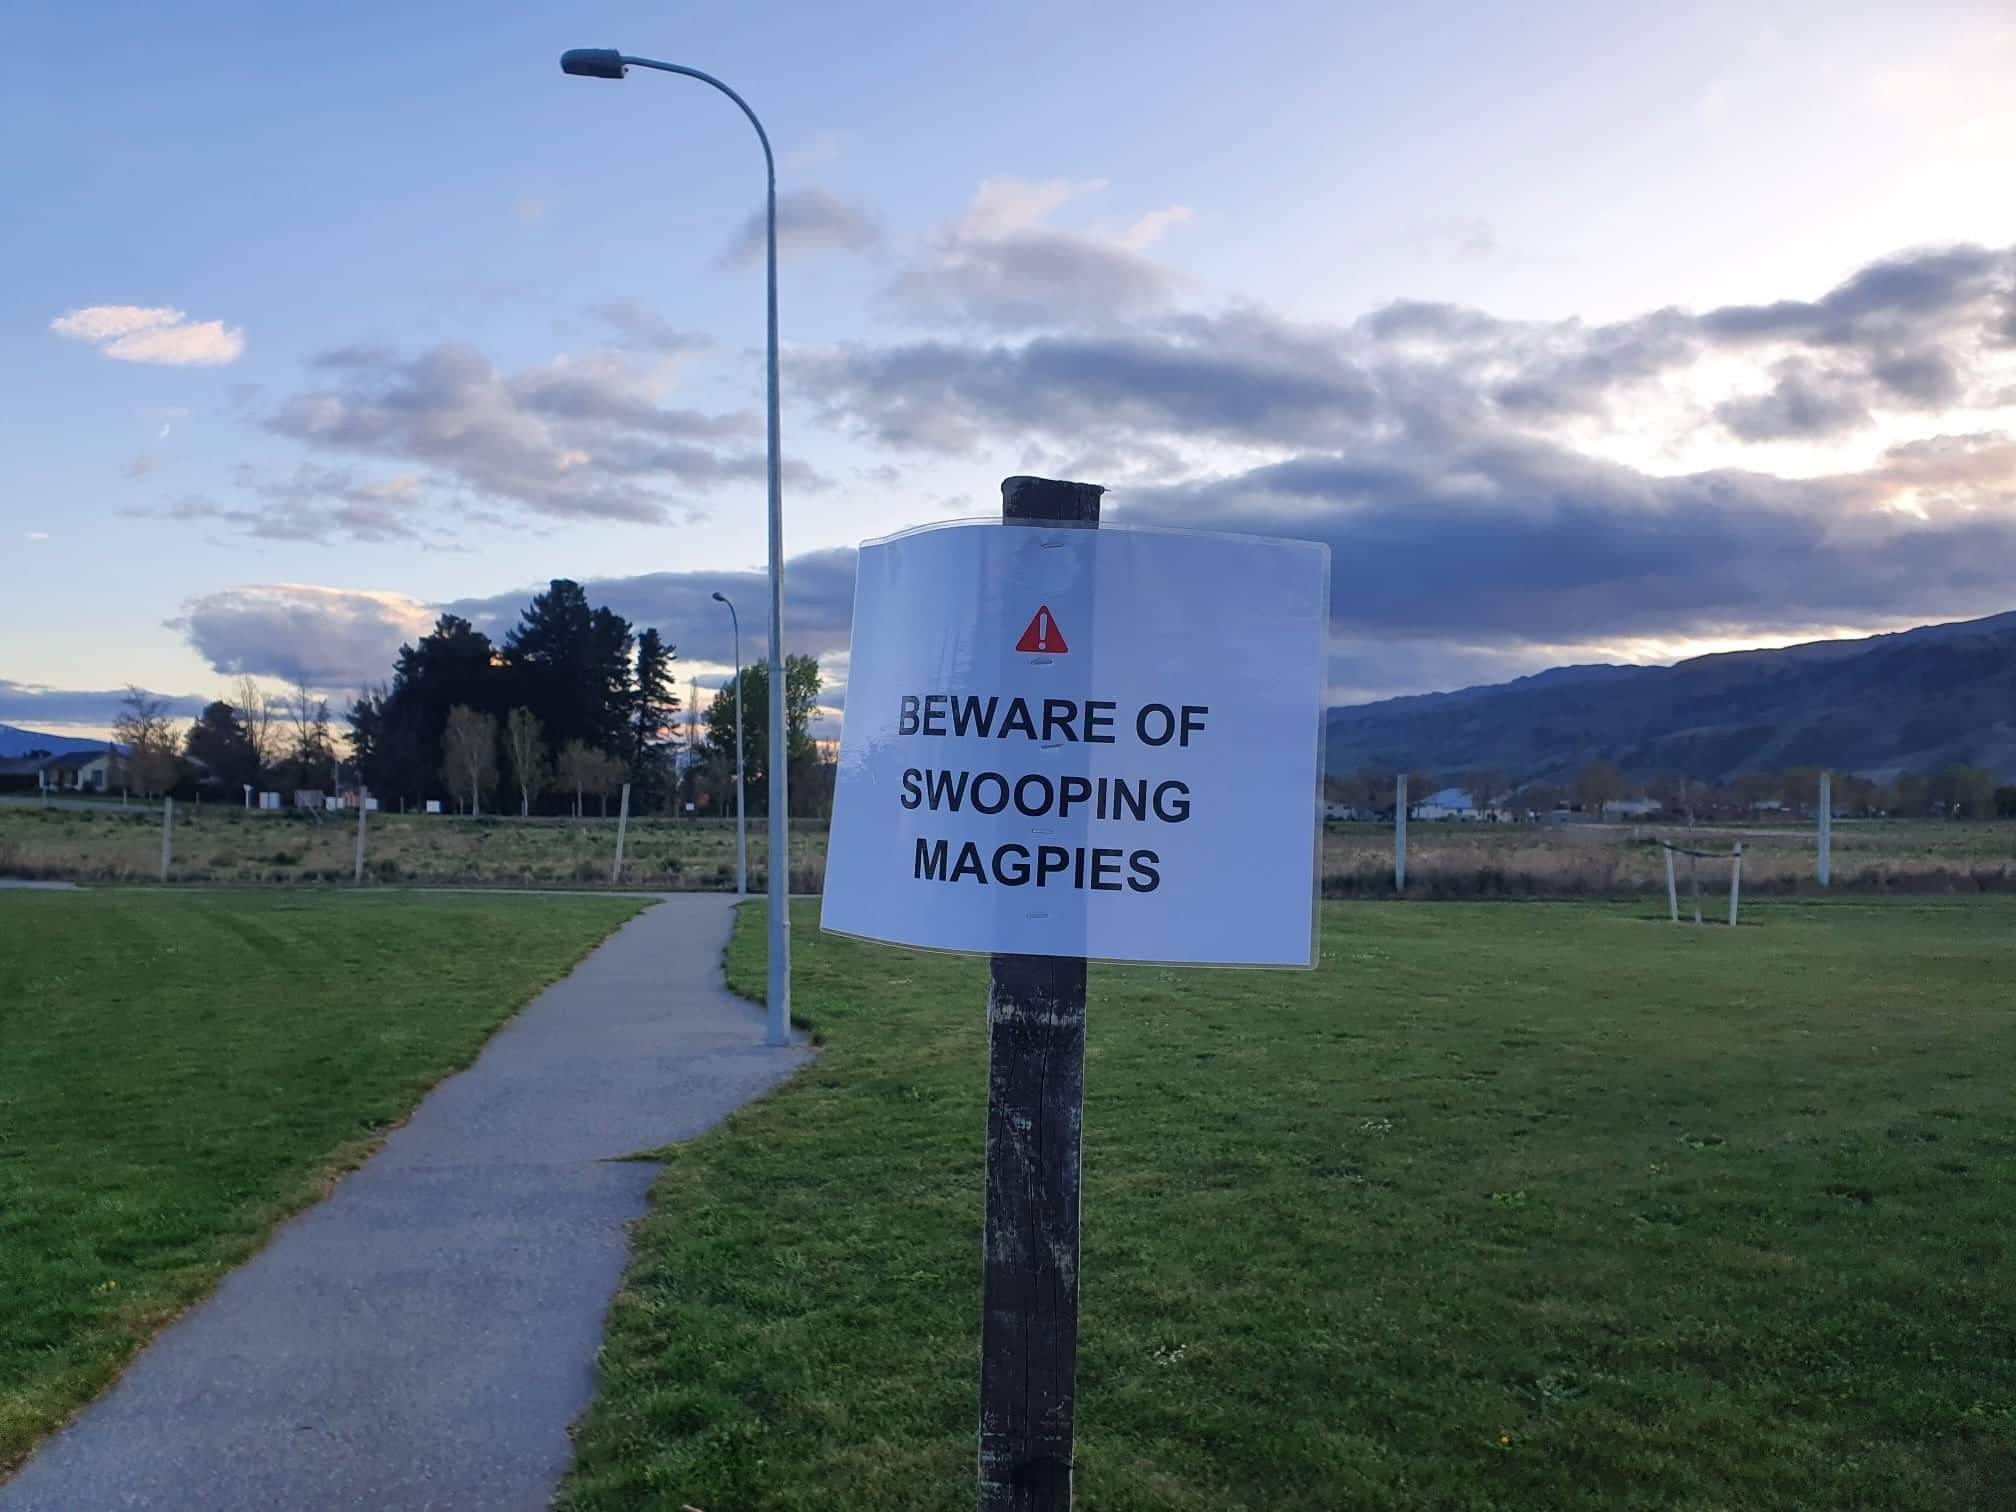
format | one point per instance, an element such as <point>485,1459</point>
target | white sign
<point>1075,742</point>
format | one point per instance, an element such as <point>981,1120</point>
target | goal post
<point>1733,857</point>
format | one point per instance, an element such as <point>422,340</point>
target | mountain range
<point>15,741</point>
<point>1913,701</point>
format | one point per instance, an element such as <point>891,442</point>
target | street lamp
<point>741,827</point>
<point>607,63</point>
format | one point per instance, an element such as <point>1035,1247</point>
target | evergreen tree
<point>402,729</point>
<point>219,742</point>
<point>654,708</point>
<point>801,690</point>
<point>570,665</point>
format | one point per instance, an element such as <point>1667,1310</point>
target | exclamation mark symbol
<point>1042,629</point>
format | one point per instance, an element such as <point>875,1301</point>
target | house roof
<point>65,761</point>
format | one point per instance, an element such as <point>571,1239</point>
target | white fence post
<point>167,834</point>
<point>363,804</point>
<point>1672,888</point>
<point>622,824</point>
<point>1400,834</point>
<point>1735,881</point>
<point>1826,828</point>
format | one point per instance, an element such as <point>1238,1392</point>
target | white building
<point>1449,803</point>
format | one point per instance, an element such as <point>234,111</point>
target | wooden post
<point>1035,1109</point>
<point>1400,834</point>
<point>1735,881</point>
<point>622,824</point>
<point>167,834</point>
<point>363,798</point>
<point>1672,890</point>
<point>1826,828</point>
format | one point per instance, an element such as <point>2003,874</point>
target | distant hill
<point>1913,701</point>
<point>15,741</point>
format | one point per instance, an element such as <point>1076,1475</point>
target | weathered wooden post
<point>1400,834</point>
<point>167,834</point>
<point>622,824</point>
<point>1735,881</point>
<point>1826,828</point>
<point>1672,889</point>
<point>363,803</point>
<point>1149,662</point>
<point>1035,1109</point>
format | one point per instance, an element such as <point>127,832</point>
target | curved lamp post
<point>741,828</point>
<point>607,63</point>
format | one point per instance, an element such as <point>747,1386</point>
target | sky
<point>1580,333</point>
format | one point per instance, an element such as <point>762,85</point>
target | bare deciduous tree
<point>1597,784</point>
<point>259,712</point>
<point>577,769</point>
<point>525,749</point>
<point>469,751</point>
<point>610,773</point>
<point>1486,784</point>
<point>142,728</point>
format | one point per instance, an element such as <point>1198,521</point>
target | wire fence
<point>99,841</point>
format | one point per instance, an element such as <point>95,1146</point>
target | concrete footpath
<point>424,1337</point>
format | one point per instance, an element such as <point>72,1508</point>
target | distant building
<point>1449,803</point>
<point>1334,810</point>
<point>73,771</point>
<point>1630,808</point>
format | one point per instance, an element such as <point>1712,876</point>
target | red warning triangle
<point>1042,635</point>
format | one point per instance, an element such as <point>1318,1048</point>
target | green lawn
<point>178,1073</point>
<point>1508,1206</point>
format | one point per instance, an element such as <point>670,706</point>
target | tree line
<point>572,704</point>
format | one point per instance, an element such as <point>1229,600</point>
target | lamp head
<point>593,63</point>
<point>719,599</point>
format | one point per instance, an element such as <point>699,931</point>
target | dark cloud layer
<point>34,707</point>
<point>1535,544</point>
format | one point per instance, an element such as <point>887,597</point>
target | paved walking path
<point>424,1337</point>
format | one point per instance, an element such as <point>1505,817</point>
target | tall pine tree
<point>570,665</point>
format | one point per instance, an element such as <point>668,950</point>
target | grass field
<point>1507,1206</point>
<point>1445,860</point>
<point>179,1073</point>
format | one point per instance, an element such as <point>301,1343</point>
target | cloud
<point>1805,401</point>
<point>38,535</point>
<point>316,504</point>
<point>808,221</point>
<point>1460,464</point>
<point>333,639</point>
<point>36,706</point>
<point>818,601</point>
<point>1910,342</point>
<point>1238,377</point>
<point>638,328</point>
<point>1889,298</point>
<point>1514,544</point>
<point>1002,266</point>
<point>136,333</point>
<point>577,438</point>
